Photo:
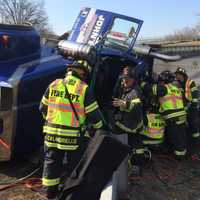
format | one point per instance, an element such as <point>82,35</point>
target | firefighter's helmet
<point>129,72</point>
<point>181,70</point>
<point>166,76</point>
<point>81,64</point>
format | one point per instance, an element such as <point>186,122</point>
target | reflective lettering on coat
<point>50,138</point>
<point>56,93</point>
<point>73,97</point>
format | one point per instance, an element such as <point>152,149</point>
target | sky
<point>161,17</point>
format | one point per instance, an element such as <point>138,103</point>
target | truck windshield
<point>121,34</point>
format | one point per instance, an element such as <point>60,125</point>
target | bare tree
<point>185,34</point>
<point>23,12</point>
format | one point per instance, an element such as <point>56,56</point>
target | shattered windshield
<point>121,34</point>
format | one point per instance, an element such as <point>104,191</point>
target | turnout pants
<point>193,124</point>
<point>137,156</point>
<point>176,136</point>
<point>53,167</point>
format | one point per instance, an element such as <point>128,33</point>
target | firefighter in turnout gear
<point>191,100</point>
<point>154,129</point>
<point>173,111</point>
<point>64,127</point>
<point>153,120</point>
<point>129,116</point>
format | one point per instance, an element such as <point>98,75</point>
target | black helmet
<point>81,64</point>
<point>129,72</point>
<point>181,70</point>
<point>166,76</point>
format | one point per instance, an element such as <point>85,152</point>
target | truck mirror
<point>131,32</point>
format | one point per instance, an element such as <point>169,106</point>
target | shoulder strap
<point>70,101</point>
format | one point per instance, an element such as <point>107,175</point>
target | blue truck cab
<point>26,68</point>
<point>113,36</point>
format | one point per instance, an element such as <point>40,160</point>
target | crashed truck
<point>105,39</point>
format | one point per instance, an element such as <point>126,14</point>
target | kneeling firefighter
<point>66,105</point>
<point>129,116</point>
<point>154,129</point>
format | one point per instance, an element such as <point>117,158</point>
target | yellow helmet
<point>81,64</point>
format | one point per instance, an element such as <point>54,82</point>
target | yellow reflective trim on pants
<point>61,132</point>
<point>91,107</point>
<point>195,100</point>
<point>120,125</point>
<point>50,182</point>
<point>87,134</point>
<point>152,141</point>
<point>98,125</point>
<point>61,146</point>
<point>139,151</point>
<point>176,114</point>
<point>195,135</point>
<point>180,153</point>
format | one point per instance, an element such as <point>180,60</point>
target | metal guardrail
<point>169,49</point>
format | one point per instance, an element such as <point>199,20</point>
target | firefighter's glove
<point>119,103</point>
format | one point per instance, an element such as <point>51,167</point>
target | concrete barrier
<point>117,188</point>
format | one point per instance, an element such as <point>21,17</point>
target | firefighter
<point>172,109</point>
<point>129,117</point>
<point>63,129</point>
<point>190,95</point>
<point>154,128</point>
